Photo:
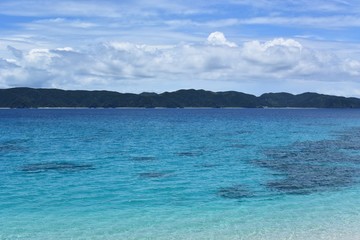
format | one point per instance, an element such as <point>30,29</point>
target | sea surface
<point>179,174</point>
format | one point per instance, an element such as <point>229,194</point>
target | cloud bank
<point>216,64</point>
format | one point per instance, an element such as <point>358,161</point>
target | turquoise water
<point>179,174</point>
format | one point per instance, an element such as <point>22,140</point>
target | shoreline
<point>79,108</point>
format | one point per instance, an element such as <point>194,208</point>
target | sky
<point>155,46</point>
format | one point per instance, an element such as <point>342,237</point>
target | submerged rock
<point>189,154</point>
<point>153,174</point>
<point>55,166</point>
<point>12,146</point>
<point>234,192</point>
<point>312,166</point>
<point>143,158</point>
<point>239,145</point>
<point>207,165</point>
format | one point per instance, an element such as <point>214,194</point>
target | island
<point>23,97</point>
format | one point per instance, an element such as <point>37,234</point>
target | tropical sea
<point>179,174</point>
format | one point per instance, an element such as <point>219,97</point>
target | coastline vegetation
<point>57,98</point>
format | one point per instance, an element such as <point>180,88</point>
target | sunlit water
<point>180,174</point>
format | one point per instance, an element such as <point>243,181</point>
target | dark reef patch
<point>310,179</point>
<point>189,154</point>
<point>239,145</point>
<point>12,146</point>
<point>243,132</point>
<point>349,140</point>
<point>143,158</point>
<point>313,166</point>
<point>153,174</point>
<point>207,165</point>
<point>55,166</point>
<point>234,192</point>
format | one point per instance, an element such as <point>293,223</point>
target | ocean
<point>179,174</point>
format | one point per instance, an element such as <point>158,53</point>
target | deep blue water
<point>179,174</point>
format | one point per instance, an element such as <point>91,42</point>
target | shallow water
<point>180,174</point>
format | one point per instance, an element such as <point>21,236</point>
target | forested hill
<point>34,98</point>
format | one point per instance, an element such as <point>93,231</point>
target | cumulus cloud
<point>281,52</point>
<point>219,39</point>
<point>123,65</point>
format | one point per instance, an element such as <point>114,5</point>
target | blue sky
<point>134,46</point>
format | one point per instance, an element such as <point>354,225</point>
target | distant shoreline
<point>164,108</point>
<point>190,98</point>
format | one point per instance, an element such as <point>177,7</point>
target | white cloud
<point>75,23</point>
<point>218,39</point>
<point>220,23</point>
<point>352,67</point>
<point>303,6</point>
<point>64,8</point>
<point>6,64</point>
<point>104,8</point>
<point>63,23</point>
<point>215,65</point>
<point>328,22</point>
